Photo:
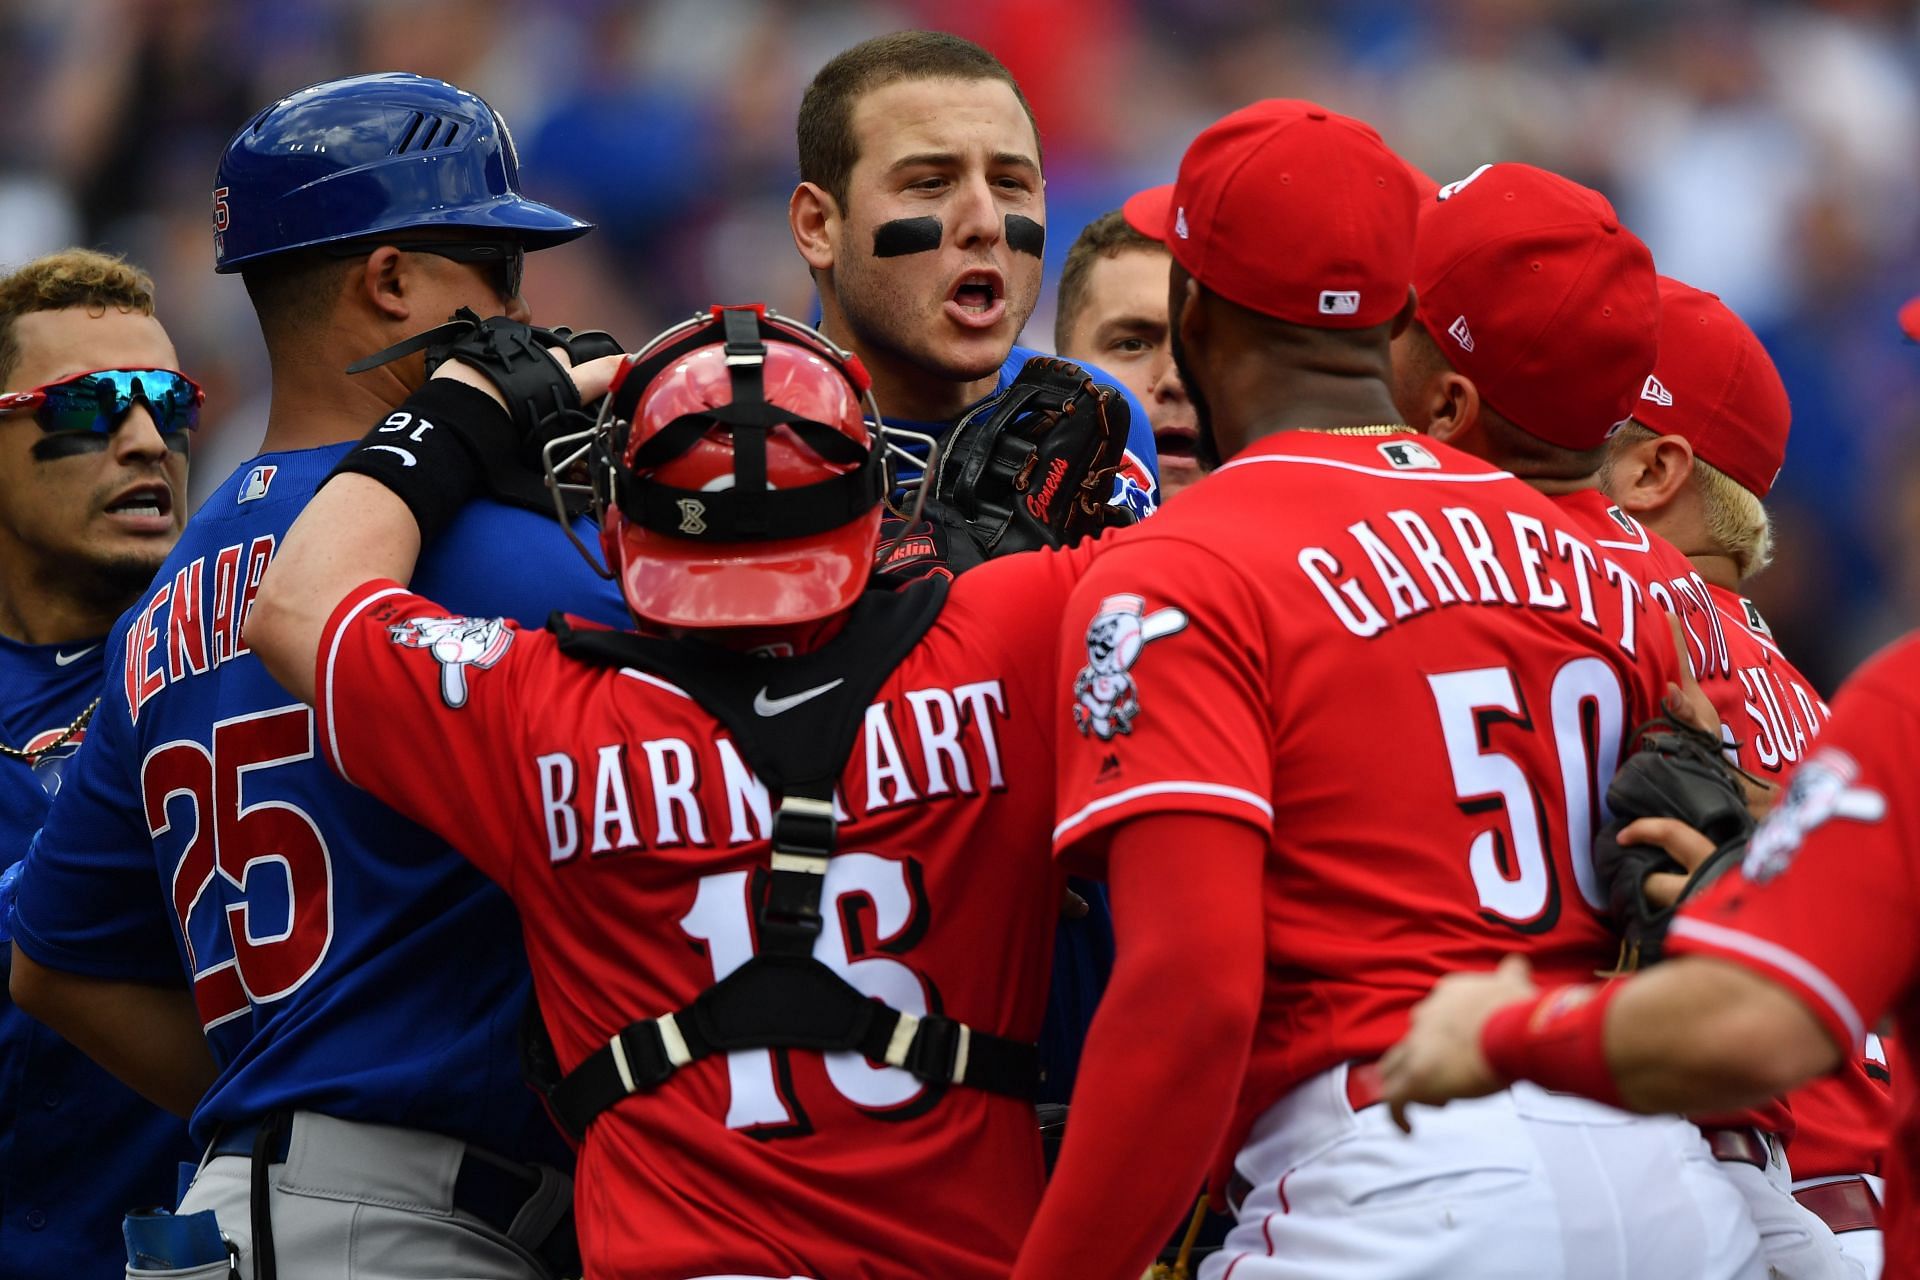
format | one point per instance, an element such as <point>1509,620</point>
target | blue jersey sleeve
<point>89,900</point>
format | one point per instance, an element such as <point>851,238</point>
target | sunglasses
<point>99,401</point>
<point>506,260</point>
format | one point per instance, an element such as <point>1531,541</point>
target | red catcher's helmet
<point>746,486</point>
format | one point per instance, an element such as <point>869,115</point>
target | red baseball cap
<point>1532,288</point>
<point>1291,210</point>
<point>1150,212</point>
<point>1715,385</point>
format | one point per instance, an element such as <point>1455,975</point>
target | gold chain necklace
<point>1377,429</point>
<point>67,735</point>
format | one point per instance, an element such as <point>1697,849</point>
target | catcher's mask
<point>734,475</point>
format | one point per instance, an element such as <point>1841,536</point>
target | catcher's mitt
<point>1678,772</point>
<point>540,395</point>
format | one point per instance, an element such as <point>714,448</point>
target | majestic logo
<point>1105,698</point>
<point>765,706</point>
<point>1180,222</point>
<point>1405,455</point>
<point>258,481</point>
<point>1037,502</point>
<point>1459,332</point>
<point>456,644</point>
<point>1626,522</point>
<point>1455,187</point>
<point>693,516</point>
<point>1822,788</point>
<point>1655,390</point>
<point>1339,302</point>
<point>1754,621</point>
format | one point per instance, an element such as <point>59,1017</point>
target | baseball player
<point>1778,971</point>
<point>94,421</point>
<point>1112,311</point>
<point>1707,440</point>
<point>360,985</point>
<point>1537,328</point>
<point>921,215</point>
<point>828,800</point>
<point>1275,955</point>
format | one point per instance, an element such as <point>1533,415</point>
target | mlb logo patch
<point>1459,332</point>
<point>1405,455</point>
<point>257,482</point>
<point>1755,622</point>
<point>1339,302</point>
<point>1656,391</point>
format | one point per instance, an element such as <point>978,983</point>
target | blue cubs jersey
<point>1137,487</point>
<point>77,1147</point>
<point>342,959</point>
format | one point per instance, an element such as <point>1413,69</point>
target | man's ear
<point>384,283</point>
<point>1453,407</point>
<point>814,217</point>
<point>1649,474</point>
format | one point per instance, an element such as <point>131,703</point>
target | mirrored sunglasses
<point>100,400</point>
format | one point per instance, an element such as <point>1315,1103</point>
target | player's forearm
<point>1698,1034</point>
<point>354,531</point>
<point>149,1037</point>
<point>1161,1064</point>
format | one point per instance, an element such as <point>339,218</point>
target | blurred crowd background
<point>1767,151</point>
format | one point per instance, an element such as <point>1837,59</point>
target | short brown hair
<point>825,129</point>
<point>1107,236</point>
<point>70,278</point>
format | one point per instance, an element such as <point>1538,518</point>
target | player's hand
<point>1439,1059</point>
<point>1681,842</point>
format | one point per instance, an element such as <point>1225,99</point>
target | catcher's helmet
<point>371,154</point>
<point>736,478</point>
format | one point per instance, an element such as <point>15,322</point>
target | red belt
<point>1363,1090</point>
<point>1847,1205</point>
<point>1737,1146</point>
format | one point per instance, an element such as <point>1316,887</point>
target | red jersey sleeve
<point>1825,900</point>
<point>1163,664</point>
<point>419,707</point>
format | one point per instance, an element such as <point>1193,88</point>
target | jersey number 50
<point>231,840</point>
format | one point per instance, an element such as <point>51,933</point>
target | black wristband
<point>435,451</point>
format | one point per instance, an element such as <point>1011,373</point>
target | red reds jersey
<point>1413,673</point>
<point>1840,1122</point>
<point>1827,896</point>
<point>622,820</point>
<point>1669,577</point>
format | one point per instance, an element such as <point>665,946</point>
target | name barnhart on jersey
<point>195,622</point>
<point>1403,566</point>
<point>609,798</point>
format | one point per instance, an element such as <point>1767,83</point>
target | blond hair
<point>1736,520</point>
<point>70,278</point>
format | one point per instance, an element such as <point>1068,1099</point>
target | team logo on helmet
<point>693,517</point>
<point>1105,699</point>
<point>456,644</point>
<point>1822,788</point>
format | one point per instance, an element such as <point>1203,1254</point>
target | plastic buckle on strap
<point>644,1061</point>
<point>939,1048</point>
<point>804,833</point>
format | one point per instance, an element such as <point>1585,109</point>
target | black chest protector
<point>783,998</point>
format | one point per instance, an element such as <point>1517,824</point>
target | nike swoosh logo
<point>765,706</point>
<point>64,659</point>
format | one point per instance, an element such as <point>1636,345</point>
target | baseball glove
<point>540,395</point>
<point>1031,467</point>
<point>1678,772</point>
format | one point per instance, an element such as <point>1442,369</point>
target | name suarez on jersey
<point>192,624</point>
<point>1463,558</point>
<point>592,802</point>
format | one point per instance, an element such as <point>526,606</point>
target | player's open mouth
<point>1175,442</point>
<point>978,298</point>
<point>149,504</point>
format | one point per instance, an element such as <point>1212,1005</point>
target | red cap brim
<point>1910,320</point>
<point>678,582</point>
<point>1150,212</point>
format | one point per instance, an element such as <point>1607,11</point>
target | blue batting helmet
<point>367,155</point>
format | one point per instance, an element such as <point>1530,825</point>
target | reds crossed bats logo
<point>456,644</point>
<point>1822,788</point>
<point>1105,698</point>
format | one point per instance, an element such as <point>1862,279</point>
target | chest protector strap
<point>783,998</point>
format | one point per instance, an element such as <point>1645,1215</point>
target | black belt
<point>488,1187</point>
